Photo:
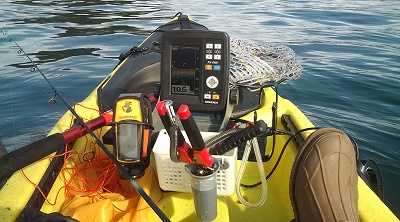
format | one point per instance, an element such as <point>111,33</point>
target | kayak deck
<point>179,206</point>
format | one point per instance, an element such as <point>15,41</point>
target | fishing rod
<point>26,155</point>
<point>52,101</point>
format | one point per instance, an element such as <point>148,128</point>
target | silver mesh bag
<point>253,63</point>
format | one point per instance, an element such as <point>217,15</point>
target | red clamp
<point>178,144</point>
<point>184,153</point>
<point>200,152</point>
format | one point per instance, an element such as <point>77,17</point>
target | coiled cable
<point>252,144</point>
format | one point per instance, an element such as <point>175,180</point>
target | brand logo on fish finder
<point>127,107</point>
<point>211,102</point>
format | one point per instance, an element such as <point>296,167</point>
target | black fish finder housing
<point>195,69</point>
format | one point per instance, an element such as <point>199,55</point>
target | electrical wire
<point>252,143</point>
<point>280,156</point>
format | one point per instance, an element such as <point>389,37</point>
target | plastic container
<point>173,176</point>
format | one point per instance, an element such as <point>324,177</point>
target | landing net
<point>253,63</point>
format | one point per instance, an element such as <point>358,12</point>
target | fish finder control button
<point>207,96</point>
<point>212,82</point>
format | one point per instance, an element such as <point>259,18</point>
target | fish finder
<point>195,69</point>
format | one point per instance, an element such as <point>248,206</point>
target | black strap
<point>132,51</point>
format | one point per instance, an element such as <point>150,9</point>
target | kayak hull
<point>138,72</point>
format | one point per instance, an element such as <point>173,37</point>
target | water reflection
<point>85,18</point>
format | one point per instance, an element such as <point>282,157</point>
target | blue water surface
<point>349,50</point>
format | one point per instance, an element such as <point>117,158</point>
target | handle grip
<point>196,140</point>
<point>242,136</point>
<point>191,129</point>
<point>24,156</point>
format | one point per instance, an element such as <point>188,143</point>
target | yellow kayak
<point>79,181</point>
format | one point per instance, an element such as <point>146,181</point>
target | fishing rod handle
<point>240,137</point>
<point>22,157</point>
<point>191,129</point>
<point>193,133</point>
<point>28,154</point>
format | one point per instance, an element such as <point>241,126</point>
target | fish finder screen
<point>185,65</point>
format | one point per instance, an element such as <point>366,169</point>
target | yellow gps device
<point>132,127</point>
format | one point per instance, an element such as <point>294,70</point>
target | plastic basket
<point>173,177</point>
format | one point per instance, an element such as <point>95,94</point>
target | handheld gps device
<point>132,128</point>
<point>195,69</point>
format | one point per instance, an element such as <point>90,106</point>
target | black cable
<point>280,156</point>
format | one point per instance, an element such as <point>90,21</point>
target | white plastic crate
<point>173,177</point>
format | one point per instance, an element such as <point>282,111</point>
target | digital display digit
<point>185,66</point>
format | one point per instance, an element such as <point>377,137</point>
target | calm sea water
<point>349,50</point>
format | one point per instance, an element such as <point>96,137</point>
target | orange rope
<point>105,174</point>
<point>37,187</point>
<point>78,104</point>
<point>40,190</point>
<point>104,170</point>
<point>88,178</point>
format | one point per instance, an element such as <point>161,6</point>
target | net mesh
<point>253,63</point>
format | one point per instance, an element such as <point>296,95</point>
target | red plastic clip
<point>203,157</point>
<point>183,153</point>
